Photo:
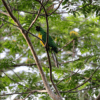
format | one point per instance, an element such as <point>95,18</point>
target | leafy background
<point>78,76</point>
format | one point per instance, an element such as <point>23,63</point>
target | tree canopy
<point>77,77</point>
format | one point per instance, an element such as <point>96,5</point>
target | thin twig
<point>15,74</point>
<point>66,45</point>
<point>11,15</point>
<point>24,33</point>
<point>35,18</point>
<point>9,5</point>
<point>46,45</point>
<point>4,13</point>
<point>51,73</point>
<point>54,59</point>
<point>67,77</point>
<point>44,91</point>
<point>1,25</point>
<point>73,48</point>
<point>17,8</point>
<point>33,91</point>
<point>27,96</point>
<point>42,14</point>
<point>56,8</point>
<point>23,64</point>
<point>14,80</point>
<point>80,90</point>
<point>74,72</point>
<point>46,15</point>
<point>46,2</point>
<point>98,97</point>
<point>24,29</point>
<point>84,82</point>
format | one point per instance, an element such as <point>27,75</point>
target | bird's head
<point>37,28</point>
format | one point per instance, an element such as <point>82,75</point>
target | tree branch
<point>44,91</point>
<point>84,82</point>
<point>73,72</point>
<point>46,45</point>
<point>51,75</point>
<point>4,13</point>
<point>54,96</point>
<point>15,74</point>
<point>35,18</point>
<point>98,97</point>
<point>33,91</point>
<point>23,64</point>
<point>56,8</point>
<point>11,15</point>
<point>1,25</point>
<point>46,15</point>
<point>66,45</point>
<point>14,80</point>
<point>23,29</point>
<point>73,48</point>
<point>81,89</point>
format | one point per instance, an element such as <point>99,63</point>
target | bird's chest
<point>44,37</point>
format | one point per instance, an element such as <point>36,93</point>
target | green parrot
<point>51,43</point>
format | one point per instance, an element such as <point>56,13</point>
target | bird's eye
<point>37,28</point>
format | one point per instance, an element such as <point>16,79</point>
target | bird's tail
<point>55,59</point>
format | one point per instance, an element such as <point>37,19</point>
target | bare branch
<point>98,98</point>
<point>23,64</point>
<point>73,73</point>
<point>51,74</point>
<point>1,25</point>
<point>33,91</point>
<point>46,15</point>
<point>44,91</point>
<point>15,73</point>
<point>9,5</point>
<point>42,14</point>
<point>46,45</point>
<point>4,13</point>
<point>23,29</point>
<point>27,96</point>
<point>11,15</point>
<point>54,96</point>
<point>67,77</point>
<point>55,60</point>
<point>56,8</point>
<point>17,8</point>
<point>35,19</point>
<point>66,45</point>
<point>14,80</point>
<point>85,81</point>
<point>73,48</point>
<point>81,89</point>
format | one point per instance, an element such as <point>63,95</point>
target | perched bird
<point>52,46</point>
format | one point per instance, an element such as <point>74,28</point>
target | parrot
<point>52,46</point>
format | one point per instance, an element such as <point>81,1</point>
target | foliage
<point>78,58</point>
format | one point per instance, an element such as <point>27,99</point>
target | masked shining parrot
<point>51,43</point>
